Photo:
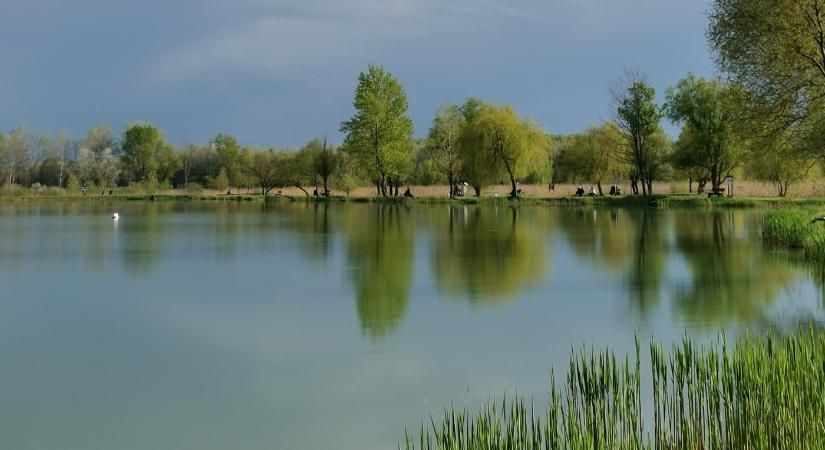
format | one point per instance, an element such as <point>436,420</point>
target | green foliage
<point>442,146</point>
<point>638,118</point>
<point>262,166</point>
<point>781,160</point>
<point>764,393</point>
<point>773,49</point>
<point>379,135</point>
<point>325,165</point>
<point>708,110</point>
<point>229,155</point>
<point>498,142</point>
<point>72,184</point>
<point>142,144</point>
<point>221,182</point>
<point>347,176</point>
<point>594,156</point>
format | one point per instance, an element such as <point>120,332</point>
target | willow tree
<point>379,135</point>
<point>503,143</point>
<point>593,155</point>
<point>710,110</point>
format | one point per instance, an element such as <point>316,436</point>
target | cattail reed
<point>766,393</point>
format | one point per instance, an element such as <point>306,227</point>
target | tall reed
<point>766,393</point>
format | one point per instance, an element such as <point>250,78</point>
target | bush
<point>194,188</point>
<point>12,190</point>
<point>72,184</point>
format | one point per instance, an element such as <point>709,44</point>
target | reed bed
<point>766,393</point>
<point>793,228</point>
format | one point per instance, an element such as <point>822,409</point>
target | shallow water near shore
<point>294,325</point>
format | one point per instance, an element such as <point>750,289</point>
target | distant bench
<point>716,192</point>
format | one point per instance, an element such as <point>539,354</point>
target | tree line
<point>763,119</point>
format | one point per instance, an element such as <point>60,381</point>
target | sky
<point>280,72</point>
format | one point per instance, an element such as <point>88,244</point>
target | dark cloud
<point>279,72</point>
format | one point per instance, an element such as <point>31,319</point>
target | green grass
<point>764,393</point>
<point>792,228</point>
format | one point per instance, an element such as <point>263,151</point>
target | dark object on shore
<point>716,192</point>
<point>615,190</point>
<point>315,192</point>
<point>580,192</point>
<point>518,191</point>
<point>407,193</point>
<point>818,219</point>
<point>110,192</point>
<point>229,192</point>
<point>552,186</point>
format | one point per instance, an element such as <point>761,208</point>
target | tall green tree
<point>774,49</point>
<point>141,146</point>
<point>638,118</point>
<point>379,135</point>
<point>710,110</point>
<point>229,153</point>
<point>443,142</point>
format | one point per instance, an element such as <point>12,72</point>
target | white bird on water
<point>115,216</point>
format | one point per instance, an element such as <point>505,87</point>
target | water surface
<point>318,326</point>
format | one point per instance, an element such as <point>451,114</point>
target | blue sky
<point>278,72</point>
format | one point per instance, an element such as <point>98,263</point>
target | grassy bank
<point>764,393</point>
<point>653,201</point>
<point>794,229</point>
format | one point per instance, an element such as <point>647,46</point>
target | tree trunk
<point>690,185</point>
<point>714,178</point>
<point>514,188</point>
<point>599,185</point>
<point>478,190</point>
<point>649,187</point>
<point>451,183</point>
<point>326,187</point>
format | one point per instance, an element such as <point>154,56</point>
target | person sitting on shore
<point>593,192</point>
<point>579,191</point>
<point>407,193</point>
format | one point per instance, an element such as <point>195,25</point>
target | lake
<point>292,325</point>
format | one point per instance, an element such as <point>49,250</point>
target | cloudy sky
<point>278,72</point>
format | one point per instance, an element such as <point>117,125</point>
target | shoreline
<point>651,201</point>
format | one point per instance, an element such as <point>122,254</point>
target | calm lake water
<point>312,326</point>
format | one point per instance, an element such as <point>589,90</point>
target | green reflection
<point>647,264</point>
<point>488,253</point>
<point>142,238</point>
<point>604,237</point>
<point>732,278</point>
<point>311,222</point>
<point>380,262</point>
<point>630,243</point>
